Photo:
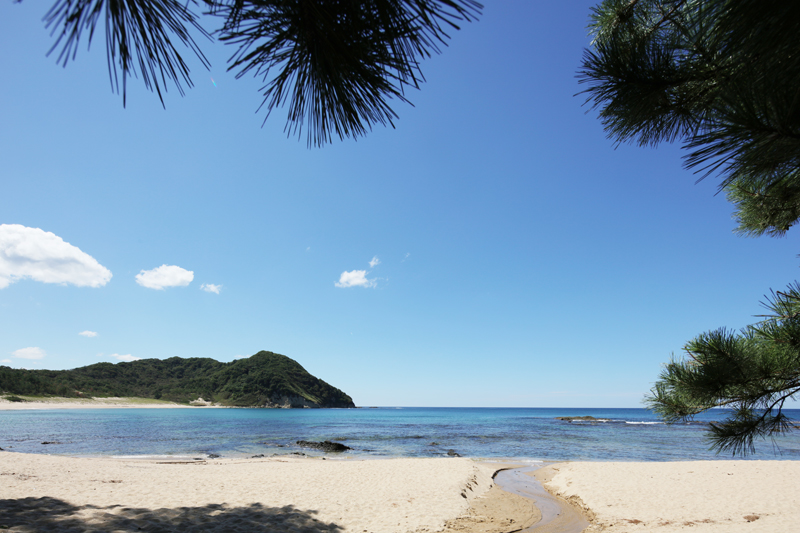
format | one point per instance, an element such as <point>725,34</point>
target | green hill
<point>265,379</point>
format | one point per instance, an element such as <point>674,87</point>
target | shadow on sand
<point>51,514</point>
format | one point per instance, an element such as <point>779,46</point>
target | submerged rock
<point>325,446</point>
<point>581,419</point>
<point>452,453</point>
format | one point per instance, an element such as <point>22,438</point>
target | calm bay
<point>492,433</point>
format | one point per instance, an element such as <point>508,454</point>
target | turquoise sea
<point>492,433</point>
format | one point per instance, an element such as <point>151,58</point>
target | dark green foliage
<point>137,32</point>
<point>722,76</point>
<point>336,62</point>
<point>253,381</point>
<point>753,373</point>
<point>15,399</point>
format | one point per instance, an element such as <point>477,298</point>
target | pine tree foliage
<point>138,38</point>
<point>723,78</point>
<point>753,373</point>
<point>720,76</point>
<point>337,63</point>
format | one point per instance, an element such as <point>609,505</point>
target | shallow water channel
<point>557,515</point>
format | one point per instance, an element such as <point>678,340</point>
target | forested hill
<point>264,380</point>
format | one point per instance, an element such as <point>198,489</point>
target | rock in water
<point>581,419</point>
<point>325,446</point>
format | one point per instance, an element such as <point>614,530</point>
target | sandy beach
<point>422,495</point>
<point>701,496</point>
<point>96,403</point>
<point>55,493</point>
<point>310,495</point>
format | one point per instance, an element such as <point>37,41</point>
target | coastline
<point>400,495</point>
<point>97,403</point>
<point>681,491</point>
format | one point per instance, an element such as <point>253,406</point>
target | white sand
<point>95,403</point>
<point>701,496</point>
<point>54,493</point>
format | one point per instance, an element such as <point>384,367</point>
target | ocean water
<point>492,433</point>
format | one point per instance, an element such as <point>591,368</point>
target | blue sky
<point>524,260</point>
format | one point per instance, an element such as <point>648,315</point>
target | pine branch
<point>699,74</point>
<point>754,372</point>
<point>138,38</point>
<point>337,63</point>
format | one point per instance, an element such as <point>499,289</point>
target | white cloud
<point>6,361</point>
<point>355,278</point>
<point>210,287</point>
<point>29,353</point>
<point>407,256</point>
<point>43,256</point>
<point>126,357</point>
<point>88,333</point>
<point>375,262</point>
<point>164,276</point>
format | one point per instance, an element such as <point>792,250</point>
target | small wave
<point>597,421</point>
<point>159,457</point>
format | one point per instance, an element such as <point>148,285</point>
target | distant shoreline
<point>38,403</point>
<point>265,379</point>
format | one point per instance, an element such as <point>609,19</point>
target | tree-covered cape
<point>723,78</point>
<point>336,62</point>
<point>262,379</point>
